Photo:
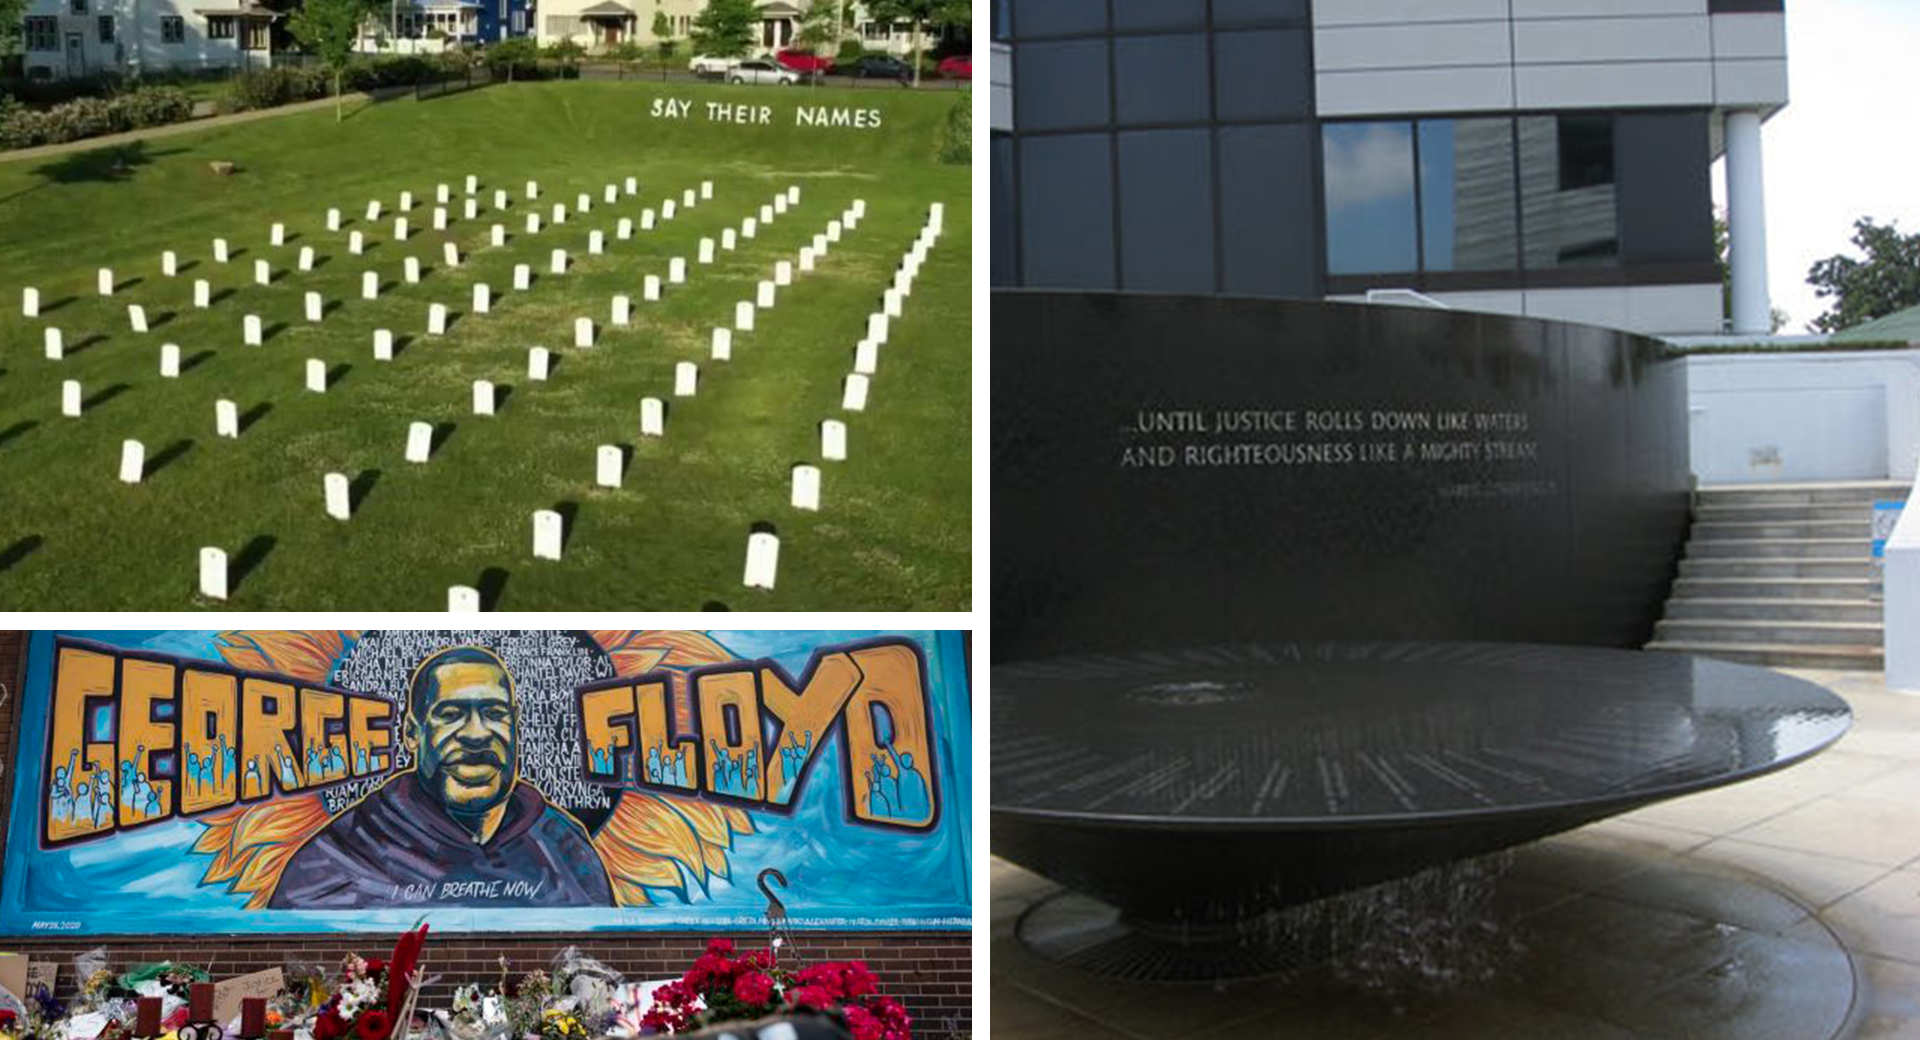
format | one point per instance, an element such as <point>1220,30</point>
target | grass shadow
<point>102,396</point>
<point>272,330</point>
<point>201,358</point>
<point>493,582</point>
<point>764,527</point>
<point>161,319</point>
<point>401,343</point>
<point>168,455</point>
<point>501,391</point>
<point>16,431</point>
<point>101,165</point>
<point>217,296</point>
<point>19,550</point>
<point>569,511</point>
<point>64,301</point>
<point>81,345</point>
<point>125,284</point>
<point>254,415</point>
<point>442,433</point>
<point>361,487</point>
<point>249,559</point>
<point>320,261</point>
<point>329,306</point>
<point>714,604</point>
<point>337,373</point>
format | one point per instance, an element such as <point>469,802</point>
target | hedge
<point>22,127</point>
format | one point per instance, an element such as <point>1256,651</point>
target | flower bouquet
<point>375,999</point>
<point>722,988</point>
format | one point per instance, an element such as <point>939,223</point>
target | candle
<point>148,1023</point>
<point>201,1003</point>
<point>253,1017</point>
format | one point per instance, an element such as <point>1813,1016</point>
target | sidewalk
<point>111,140</point>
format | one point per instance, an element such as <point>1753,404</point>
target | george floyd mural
<point>256,781</point>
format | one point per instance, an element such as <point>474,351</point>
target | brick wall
<point>930,972</point>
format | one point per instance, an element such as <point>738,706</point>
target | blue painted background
<point>848,876</point>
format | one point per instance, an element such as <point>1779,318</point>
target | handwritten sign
<point>228,995</point>
<point>43,973</point>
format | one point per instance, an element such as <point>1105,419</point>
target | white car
<point>703,65</point>
<point>761,70</point>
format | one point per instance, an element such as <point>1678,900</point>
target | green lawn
<point>894,528</point>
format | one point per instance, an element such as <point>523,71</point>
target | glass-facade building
<point>1527,156</point>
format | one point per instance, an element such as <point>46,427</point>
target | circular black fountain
<point>1197,793</point>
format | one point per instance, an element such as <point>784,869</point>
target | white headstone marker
<point>622,309</point>
<point>806,487</point>
<point>533,223</point>
<point>706,189</point>
<point>646,220</point>
<point>806,259</point>
<point>470,210</point>
<point>262,273</point>
<point>250,331</point>
<point>537,362</point>
<point>383,344</point>
<point>833,231</point>
<point>213,572</point>
<point>877,328</point>
<point>522,277</point>
<point>779,204</point>
<point>104,281</point>
<point>833,440</point>
<point>624,229</point>
<point>419,441</point>
<point>369,285</point>
<point>498,236</point>
<point>356,243</point>
<point>482,298</point>
<point>451,254</point>
<point>749,227</point>
<point>547,530</point>
<point>133,461</point>
<point>56,344</point>
<point>633,185</point>
<point>373,210</point>
<point>653,417</point>
<point>339,506</point>
<point>499,198</point>
<point>169,263</point>
<point>729,239</point>
<point>723,344</point>
<point>533,189</point>
<point>333,219</point>
<point>793,194</point>
<point>473,183</point>
<point>607,466</point>
<point>436,319</point>
<point>463,599</point>
<point>316,375</point>
<point>891,303</point>
<point>315,309</point>
<point>667,210</point>
<point>559,262</point>
<point>743,315</point>
<point>29,302</point>
<point>584,203</point>
<point>859,209</point>
<point>137,317</point>
<point>410,270</point>
<point>612,193</point>
<point>677,270</point>
<point>596,243</point>
<point>278,236</point>
<point>559,213</point>
<point>763,296</point>
<point>866,357</point>
<point>226,419</point>
<point>763,559</point>
<point>854,397</point>
<point>305,262</point>
<point>650,288</point>
<point>483,397</point>
<point>686,379</point>
<point>706,251</point>
<point>583,332</point>
<point>442,192</point>
<point>783,272</point>
<point>70,403</point>
<point>687,199</point>
<point>766,214</point>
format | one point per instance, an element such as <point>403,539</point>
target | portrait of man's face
<point>465,731</point>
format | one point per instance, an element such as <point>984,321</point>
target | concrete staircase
<point>1780,574</point>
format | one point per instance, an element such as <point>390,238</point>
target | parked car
<point>803,62</point>
<point>875,66</point>
<point>703,65</point>
<point>958,66</point>
<point>760,70</point>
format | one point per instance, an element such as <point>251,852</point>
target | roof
<point>248,11</point>
<point>1901,326</point>
<point>608,7</point>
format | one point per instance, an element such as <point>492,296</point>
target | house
<point>67,39</point>
<point>599,24</point>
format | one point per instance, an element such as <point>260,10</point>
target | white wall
<point>1652,310</point>
<point>1759,418</point>
<point>1374,57</point>
<point>137,40</point>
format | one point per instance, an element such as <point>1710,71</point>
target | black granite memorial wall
<point>1188,470</point>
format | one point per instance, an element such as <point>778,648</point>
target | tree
<point>724,28</point>
<point>1886,281</point>
<point>921,13</point>
<point>567,53</point>
<point>820,27</point>
<point>13,14</point>
<point>329,29</point>
<point>663,35</point>
<point>1776,317</point>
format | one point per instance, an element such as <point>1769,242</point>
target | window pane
<point>1061,85</point>
<point>1160,79</point>
<point>1231,13</point>
<point>1066,212</point>
<point>1261,75</point>
<point>1568,213</point>
<point>1004,213</point>
<point>1058,17</point>
<point>1467,213</point>
<point>1150,15</point>
<point>1370,210</point>
<point>1267,203</point>
<point>1166,211</point>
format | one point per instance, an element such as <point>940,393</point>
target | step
<point>1866,658</point>
<point>1714,514</point>
<point>1857,588</point>
<point>1684,608</point>
<point>1741,530</point>
<point>1721,631</point>
<point>1751,568</point>
<point>1802,493</point>
<point>1781,548</point>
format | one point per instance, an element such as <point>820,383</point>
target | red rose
<point>6,1018</point>
<point>373,1025</point>
<point>376,967</point>
<point>814,997</point>
<point>753,988</point>
<point>864,1025</point>
<point>329,1026</point>
<point>720,947</point>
